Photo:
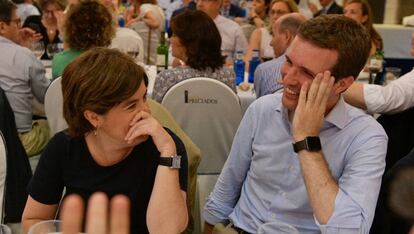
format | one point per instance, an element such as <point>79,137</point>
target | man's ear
<point>342,85</point>
<point>93,118</point>
<point>2,27</point>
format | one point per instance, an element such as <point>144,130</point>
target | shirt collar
<point>338,116</point>
<point>6,40</point>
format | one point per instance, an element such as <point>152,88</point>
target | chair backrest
<point>3,173</point>
<point>210,113</point>
<point>128,40</point>
<point>54,107</point>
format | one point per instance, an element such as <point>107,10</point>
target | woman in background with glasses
<point>46,24</point>
<point>261,37</point>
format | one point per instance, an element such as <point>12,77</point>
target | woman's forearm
<point>167,209</point>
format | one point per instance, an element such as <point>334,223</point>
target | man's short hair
<point>342,34</point>
<point>290,23</point>
<point>6,9</point>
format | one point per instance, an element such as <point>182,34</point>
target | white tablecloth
<point>397,40</point>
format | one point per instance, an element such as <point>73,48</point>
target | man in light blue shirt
<point>267,74</point>
<point>22,77</point>
<point>328,181</point>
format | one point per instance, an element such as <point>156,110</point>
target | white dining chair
<point>54,107</point>
<point>209,112</point>
<point>3,173</point>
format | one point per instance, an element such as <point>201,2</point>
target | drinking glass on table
<point>52,49</point>
<point>38,48</point>
<point>46,227</point>
<point>4,229</point>
<point>374,68</point>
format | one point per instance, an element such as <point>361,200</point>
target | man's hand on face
<point>28,36</point>
<point>311,108</point>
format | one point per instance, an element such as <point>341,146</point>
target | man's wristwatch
<point>171,162</point>
<point>310,143</point>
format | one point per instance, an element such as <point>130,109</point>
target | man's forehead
<point>305,54</point>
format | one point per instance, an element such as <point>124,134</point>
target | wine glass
<point>374,68</point>
<point>52,49</point>
<point>46,227</point>
<point>38,48</point>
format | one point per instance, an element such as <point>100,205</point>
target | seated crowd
<point>305,158</point>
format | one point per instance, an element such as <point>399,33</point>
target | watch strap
<point>310,143</point>
<point>171,162</point>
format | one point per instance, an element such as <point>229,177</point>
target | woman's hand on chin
<point>144,125</point>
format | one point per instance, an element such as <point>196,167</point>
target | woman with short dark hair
<point>195,41</point>
<point>113,145</point>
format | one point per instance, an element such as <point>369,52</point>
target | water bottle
<point>239,67</point>
<point>254,62</point>
<point>121,20</point>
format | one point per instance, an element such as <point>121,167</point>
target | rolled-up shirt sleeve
<point>392,98</point>
<point>221,202</point>
<point>359,186</point>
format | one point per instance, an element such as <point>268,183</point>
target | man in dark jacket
<point>329,7</point>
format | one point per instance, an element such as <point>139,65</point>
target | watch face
<point>314,143</point>
<point>176,162</point>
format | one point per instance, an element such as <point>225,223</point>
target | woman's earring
<point>95,131</point>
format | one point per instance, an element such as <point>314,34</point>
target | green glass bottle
<point>162,53</point>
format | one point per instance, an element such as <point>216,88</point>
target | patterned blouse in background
<point>167,78</point>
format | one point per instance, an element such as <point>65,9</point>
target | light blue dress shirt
<point>266,76</point>
<point>22,77</point>
<point>261,182</point>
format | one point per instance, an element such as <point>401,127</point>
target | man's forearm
<point>320,185</point>
<point>354,95</point>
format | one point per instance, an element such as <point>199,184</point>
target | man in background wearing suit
<point>329,7</point>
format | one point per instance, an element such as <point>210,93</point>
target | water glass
<point>52,49</point>
<point>4,229</point>
<point>392,73</point>
<point>46,227</point>
<point>38,48</point>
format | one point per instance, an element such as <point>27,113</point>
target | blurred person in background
<point>47,24</point>
<point>267,75</point>
<point>195,41</point>
<point>261,37</point>
<point>232,37</point>
<point>148,20</point>
<point>328,7</point>
<point>231,11</point>
<point>259,13</point>
<point>88,24</point>
<point>360,11</point>
<point>114,145</point>
<point>22,77</point>
<point>26,8</point>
